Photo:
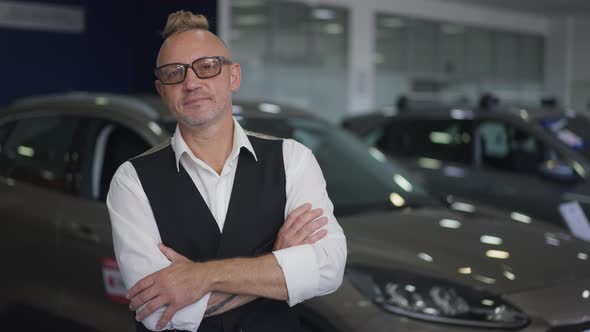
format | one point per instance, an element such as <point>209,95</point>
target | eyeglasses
<point>206,67</point>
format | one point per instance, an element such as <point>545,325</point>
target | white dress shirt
<point>309,270</point>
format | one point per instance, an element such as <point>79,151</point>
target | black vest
<point>254,217</point>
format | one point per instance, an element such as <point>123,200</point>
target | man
<point>215,229</point>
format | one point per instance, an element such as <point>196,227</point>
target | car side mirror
<point>559,171</point>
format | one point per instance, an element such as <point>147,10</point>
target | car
<point>415,263</point>
<point>534,162</point>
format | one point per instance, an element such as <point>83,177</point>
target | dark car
<point>534,162</point>
<point>414,263</point>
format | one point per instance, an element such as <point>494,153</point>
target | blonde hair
<point>182,21</point>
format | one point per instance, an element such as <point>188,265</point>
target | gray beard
<point>200,122</point>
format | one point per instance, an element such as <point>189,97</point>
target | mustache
<point>198,96</point>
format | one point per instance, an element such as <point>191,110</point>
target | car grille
<point>571,328</point>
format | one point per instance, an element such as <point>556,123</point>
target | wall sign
<point>42,17</point>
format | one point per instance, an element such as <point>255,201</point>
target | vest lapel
<point>244,199</point>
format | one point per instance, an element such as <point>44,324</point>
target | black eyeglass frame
<point>222,60</point>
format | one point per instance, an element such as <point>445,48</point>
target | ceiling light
<point>429,163</point>
<point>402,182</point>
<point>465,207</point>
<point>425,257</point>
<point>493,240</point>
<point>449,223</point>
<point>269,108</point>
<point>378,155</point>
<point>520,217</point>
<point>509,275</point>
<point>397,200</point>
<point>498,254</point>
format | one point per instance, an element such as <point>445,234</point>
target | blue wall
<point>115,53</point>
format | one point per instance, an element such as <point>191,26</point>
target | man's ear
<point>235,76</point>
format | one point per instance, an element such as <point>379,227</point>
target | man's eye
<point>206,66</point>
<point>173,74</point>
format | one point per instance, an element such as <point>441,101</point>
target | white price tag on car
<point>576,219</point>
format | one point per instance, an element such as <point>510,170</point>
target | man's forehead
<point>188,45</point>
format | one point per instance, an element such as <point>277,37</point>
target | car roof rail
<point>129,102</point>
<point>415,102</point>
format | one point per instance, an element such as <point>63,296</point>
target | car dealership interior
<point>447,143</point>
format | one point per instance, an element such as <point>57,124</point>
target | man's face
<point>197,102</point>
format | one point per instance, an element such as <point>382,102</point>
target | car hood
<point>499,255</point>
<point>580,192</point>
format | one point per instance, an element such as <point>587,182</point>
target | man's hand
<point>185,282</point>
<point>293,229</point>
<point>176,286</point>
<point>301,227</point>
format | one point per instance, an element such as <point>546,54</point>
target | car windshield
<point>572,130</point>
<point>359,178</point>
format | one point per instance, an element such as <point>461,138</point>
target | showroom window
<point>454,63</point>
<point>292,53</point>
<point>39,151</point>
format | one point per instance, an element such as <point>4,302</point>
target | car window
<point>39,151</point>
<point>509,148</point>
<point>449,140</point>
<point>113,145</point>
<point>4,131</point>
<point>341,156</point>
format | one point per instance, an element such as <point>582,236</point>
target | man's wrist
<point>214,275</point>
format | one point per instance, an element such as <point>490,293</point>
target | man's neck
<point>211,143</point>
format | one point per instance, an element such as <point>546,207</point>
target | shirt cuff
<point>189,318</point>
<point>301,272</point>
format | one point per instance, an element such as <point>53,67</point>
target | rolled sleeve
<point>316,269</point>
<point>301,272</point>
<point>135,240</point>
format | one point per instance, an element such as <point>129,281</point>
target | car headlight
<point>434,299</point>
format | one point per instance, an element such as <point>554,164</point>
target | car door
<point>437,151</point>
<point>95,294</point>
<point>509,161</point>
<point>35,188</point>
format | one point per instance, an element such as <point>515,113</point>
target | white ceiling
<point>545,7</point>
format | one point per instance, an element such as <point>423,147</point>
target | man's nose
<point>192,81</point>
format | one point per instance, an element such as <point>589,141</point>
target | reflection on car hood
<point>456,247</point>
<point>580,193</point>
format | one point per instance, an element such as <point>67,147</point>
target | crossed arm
<point>308,256</point>
<point>232,282</point>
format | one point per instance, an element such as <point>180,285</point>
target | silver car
<point>534,162</point>
<point>415,264</point>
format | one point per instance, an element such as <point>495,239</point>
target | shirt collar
<point>240,141</point>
